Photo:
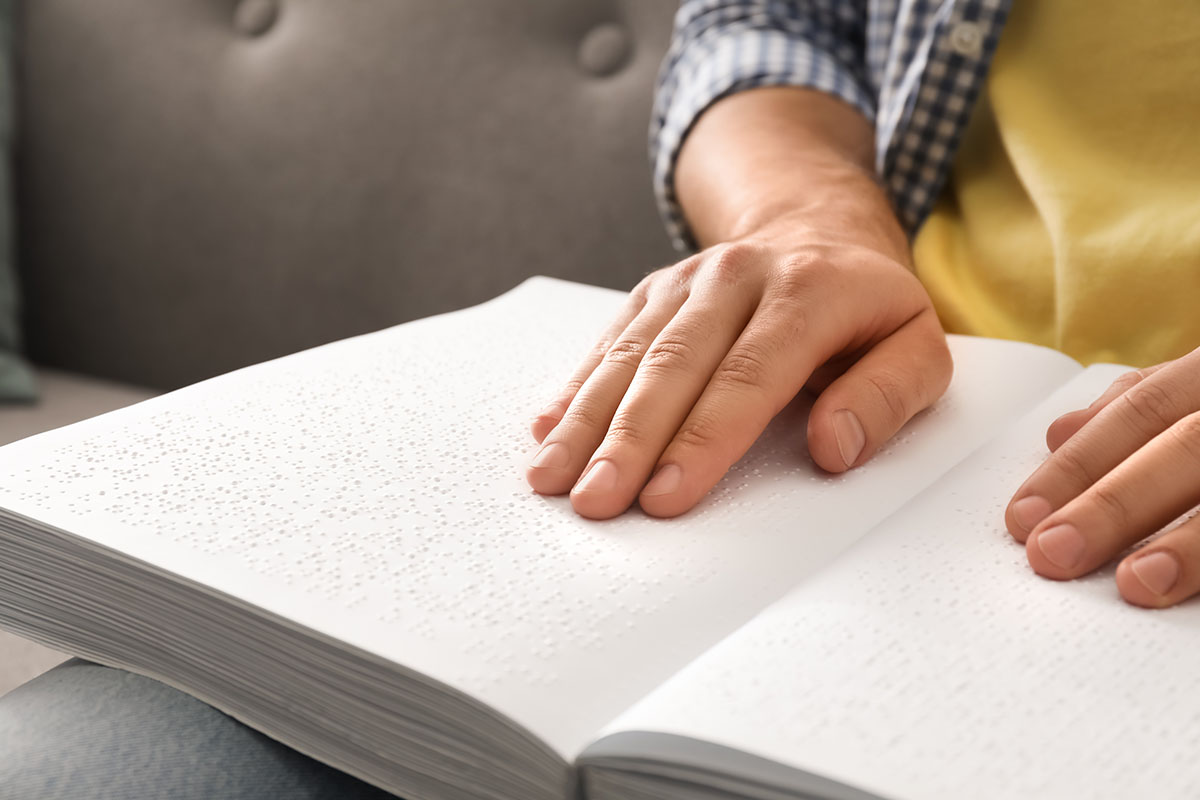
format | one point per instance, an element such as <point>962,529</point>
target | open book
<point>338,548</point>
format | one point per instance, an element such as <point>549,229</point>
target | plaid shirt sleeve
<point>724,46</point>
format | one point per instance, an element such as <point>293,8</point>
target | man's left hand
<point>1119,471</point>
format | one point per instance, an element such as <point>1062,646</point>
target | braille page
<point>373,490</point>
<point>929,661</point>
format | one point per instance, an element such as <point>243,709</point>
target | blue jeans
<point>87,731</point>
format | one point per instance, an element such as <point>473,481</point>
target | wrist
<point>844,206</point>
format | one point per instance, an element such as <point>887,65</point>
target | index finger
<point>1116,431</point>
<point>784,342</point>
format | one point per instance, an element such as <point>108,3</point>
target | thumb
<point>897,378</point>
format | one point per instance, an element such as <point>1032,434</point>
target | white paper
<point>929,661</point>
<point>373,490</point>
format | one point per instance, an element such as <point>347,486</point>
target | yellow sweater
<point>1072,214</point>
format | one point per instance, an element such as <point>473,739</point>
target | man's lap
<point>86,731</point>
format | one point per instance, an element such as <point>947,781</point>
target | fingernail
<point>849,434</point>
<point>552,456</point>
<point>1062,545</point>
<point>1157,571</point>
<point>1029,511</point>
<point>665,481</point>
<point>602,477</point>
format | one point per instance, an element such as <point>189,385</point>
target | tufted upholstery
<point>208,183</point>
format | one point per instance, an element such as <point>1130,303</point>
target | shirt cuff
<point>708,68</point>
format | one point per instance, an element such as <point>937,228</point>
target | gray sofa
<point>204,184</point>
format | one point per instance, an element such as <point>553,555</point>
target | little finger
<point>1164,572</point>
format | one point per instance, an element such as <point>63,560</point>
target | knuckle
<point>939,372</point>
<point>891,393</point>
<point>670,354</point>
<point>792,304</point>
<point>797,277</point>
<point>624,432</point>
<point>938,361</point>
<point>641,293</point>
<point>682,273</point>
<point>744,367</point>
<point>1148,406</point>
<point>600,348</point>
<point>1186,433</point>
<point>800,273</point>
<point>728,263</point>
<point>1128,379</point>
<point>588,415</point>
<point>793,291</point>
<point>699,434</point>
<point>1074,467</point>
<point>1109,501</point>
<point>625,352</point>
<point>787,314</point>
<point>572,387</point>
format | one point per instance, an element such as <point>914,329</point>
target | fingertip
<point>603,491</point>
<point>546,420</point>
<point>849,435</point>
<point>1039,561</point>
<point>592,505</point>
<point>541,426</point>
<point>1014,528</point>
<point>665,506</point>
<point>1063,428</point>
<point>667,493</point>
<point>1133,591</point>
<point>549,470</point>
<point>1149,580</point>
<point>1024,513</point>
<point>548,482</point>
<point>836,440</point>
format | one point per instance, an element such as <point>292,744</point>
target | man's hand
<point>706,352</point>
<point>1120,470</point>
<point>806,272</point>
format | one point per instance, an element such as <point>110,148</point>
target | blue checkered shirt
<point>913,67</point>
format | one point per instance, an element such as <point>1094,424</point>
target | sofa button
<point>255,17</point>
<point>605,49</point>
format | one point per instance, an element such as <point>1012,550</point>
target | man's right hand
<point>706,352</point>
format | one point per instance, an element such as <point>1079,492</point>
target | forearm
<point>784,155</point>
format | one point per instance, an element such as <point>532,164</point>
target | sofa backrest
<point>203,184</point>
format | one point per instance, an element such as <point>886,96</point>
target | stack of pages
<point>339,549</point>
